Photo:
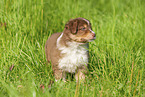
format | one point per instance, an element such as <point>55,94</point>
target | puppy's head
<point>79,30</point>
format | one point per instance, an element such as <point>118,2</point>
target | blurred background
<point>116,56</point>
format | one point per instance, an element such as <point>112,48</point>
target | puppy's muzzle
<point>93,35</point>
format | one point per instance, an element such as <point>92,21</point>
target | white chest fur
<point>75,55</point>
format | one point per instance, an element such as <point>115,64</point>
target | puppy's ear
<point>73,26</point>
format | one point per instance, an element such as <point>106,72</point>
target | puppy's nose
<point>93,34</point>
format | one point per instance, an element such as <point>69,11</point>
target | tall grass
<point>116,66</point>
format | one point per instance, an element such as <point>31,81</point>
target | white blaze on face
<point>86,21</point>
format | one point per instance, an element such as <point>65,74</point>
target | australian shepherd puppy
<point>68,50</point>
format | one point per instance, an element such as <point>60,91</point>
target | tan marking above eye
<point>85,25</point>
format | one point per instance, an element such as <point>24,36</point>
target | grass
<point>116,66</point>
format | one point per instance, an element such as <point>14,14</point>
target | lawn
<point>116,67</point>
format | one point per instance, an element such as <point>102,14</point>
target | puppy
<point>68,50</point>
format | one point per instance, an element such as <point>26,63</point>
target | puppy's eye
<point>83,28</point>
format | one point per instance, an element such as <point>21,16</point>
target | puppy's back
<point>51,44</point>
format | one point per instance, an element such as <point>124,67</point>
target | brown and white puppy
<point>68,50</point>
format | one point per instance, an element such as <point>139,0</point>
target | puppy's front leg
<point>59,74</point>
<point>80,74</point>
